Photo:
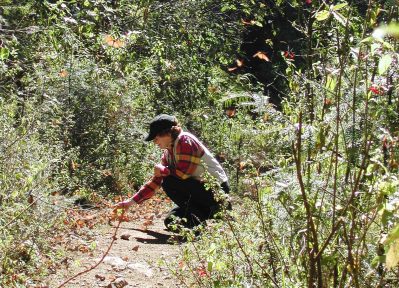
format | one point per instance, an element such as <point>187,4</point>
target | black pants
<point>193,201</point>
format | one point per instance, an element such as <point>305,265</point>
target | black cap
<point>159,124</point>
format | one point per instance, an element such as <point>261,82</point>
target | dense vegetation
<point>298,99</point>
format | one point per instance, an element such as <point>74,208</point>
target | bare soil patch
<point>135,258</point>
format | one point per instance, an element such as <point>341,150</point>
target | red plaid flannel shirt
<point>182,165</point>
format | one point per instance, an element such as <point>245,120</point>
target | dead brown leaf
<point>148,223</point>
<point>125,237</point>
<point>261,55</point>
<point>100,277</point>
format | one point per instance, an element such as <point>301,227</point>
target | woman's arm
<point>148,189</point>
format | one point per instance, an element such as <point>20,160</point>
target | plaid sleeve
<point>188,157</point>
<point>149,188</point>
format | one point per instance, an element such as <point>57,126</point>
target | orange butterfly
<point>262,55</point>
<point>113,42</point>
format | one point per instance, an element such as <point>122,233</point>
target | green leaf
<point>373,16</point>
<point>341,19</point>
<point>392,257</point>
<point>257,23</point>
<point>386,215</point>
<point>377,260</point>
<point>331,83</point>
<point>374,47</point>
<point>338,6</point>
<point>269,42</point>
<point>15,194</point>
<point>322,15</point>
<point>4,53</point>
<point>367,40</point>
<point>387,30</point>
<point>393,235</point>
<point>263,193</point>
<point>384,64</point>
<point>210,266</point>
<point>387,45</point>
<point>220,265</point>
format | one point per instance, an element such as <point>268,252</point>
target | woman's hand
<point>159,170</point>
<point>124,204</point>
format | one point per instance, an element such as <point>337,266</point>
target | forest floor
<point>135,258</point>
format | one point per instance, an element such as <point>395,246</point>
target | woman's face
<point>164,141</point>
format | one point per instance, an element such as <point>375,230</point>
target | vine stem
<point>102,258</point>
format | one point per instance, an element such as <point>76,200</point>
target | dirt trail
<point>134,259</point>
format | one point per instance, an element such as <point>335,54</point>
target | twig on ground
<point>102,258</point>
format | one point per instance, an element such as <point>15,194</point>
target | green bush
<point>27,164</point>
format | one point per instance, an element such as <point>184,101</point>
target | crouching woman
<point>185,161</point>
